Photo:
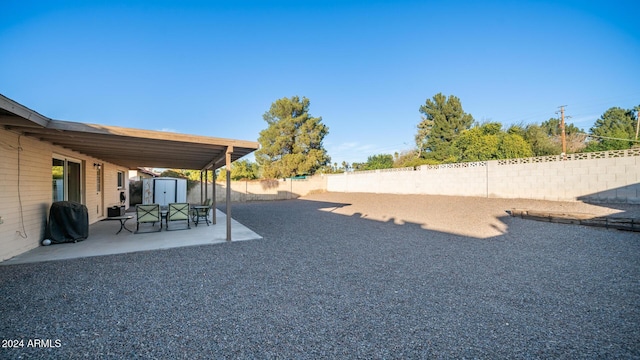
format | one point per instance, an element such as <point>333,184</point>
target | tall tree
<point>381,161</point>
<point>443,120</point>
<point>552,128</point>
<point>489,142</point>
<point>477,144</point>
<point>241,170</point>
<point>292,143</point>
<point>615,130</point>
<point>541,143</point>
<point>512,146</point>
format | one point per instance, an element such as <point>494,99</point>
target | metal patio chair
<point>148,213</point>
<point>178,212</point>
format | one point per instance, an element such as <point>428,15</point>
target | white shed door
<point>164,191</point>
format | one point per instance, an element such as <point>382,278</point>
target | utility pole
<point>637,121</point>
<point>563,133</point>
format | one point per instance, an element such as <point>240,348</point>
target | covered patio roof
<point>128,147</point>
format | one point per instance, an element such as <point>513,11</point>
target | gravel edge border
<point>609,222</point>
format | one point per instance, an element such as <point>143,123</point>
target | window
<point>66,175</point>
<point>120,179</point>
<point>98,177</point>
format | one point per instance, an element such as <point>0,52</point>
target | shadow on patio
<point>103,240</point>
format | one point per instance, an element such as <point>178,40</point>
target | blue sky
<point>214,67</point>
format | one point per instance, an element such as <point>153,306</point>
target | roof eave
<point>23,112</point>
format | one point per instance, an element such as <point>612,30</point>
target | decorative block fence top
<point>542,159</point>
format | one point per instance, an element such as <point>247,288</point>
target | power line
<point>607,137</point>
<point>579,109</point>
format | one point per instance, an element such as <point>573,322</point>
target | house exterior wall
<point>136,175</point>
<point>25,190</point>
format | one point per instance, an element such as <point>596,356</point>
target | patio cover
<point>131,148</point>
<point>127,147</point>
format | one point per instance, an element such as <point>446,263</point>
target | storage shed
<point>164,191</point>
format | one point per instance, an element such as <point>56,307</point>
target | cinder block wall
<point>609,176</point>
<point>258,190</point>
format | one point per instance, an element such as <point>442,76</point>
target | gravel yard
<point>347,276</point>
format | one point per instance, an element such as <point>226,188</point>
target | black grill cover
<point>68,222</point>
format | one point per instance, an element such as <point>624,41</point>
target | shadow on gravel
<point>323,284</point>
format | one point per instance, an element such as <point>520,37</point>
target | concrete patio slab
<point>104,241</point>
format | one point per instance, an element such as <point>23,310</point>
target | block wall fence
<point>258,190</point>
<point>607,176</point>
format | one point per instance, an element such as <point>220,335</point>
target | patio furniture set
<point>154,213</point>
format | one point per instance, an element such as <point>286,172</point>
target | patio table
<point>123,220</point>
<point>199,210</point>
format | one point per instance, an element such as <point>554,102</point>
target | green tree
<point>541,143</point>
<point>356,166</point>
<point>292,143</point>
<point>637,110</point>
<point>240,170</point>
<point>615,130</point>
<point>513,146</point>
<point>489,142</point>
<point>195,175</point>
<point>381,161</point>
<point>180,174</point>
<point>574,136</point>
<point>478,144</point>
<point>409,158</point>
<point>443,120</point>
<point>552,128</point>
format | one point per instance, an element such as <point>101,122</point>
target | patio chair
<point>148,213</point>
<point>178,212</point>
<point>201,212</point>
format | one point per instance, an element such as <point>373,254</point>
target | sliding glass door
<point>67,179</point>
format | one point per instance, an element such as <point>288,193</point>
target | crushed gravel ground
<point>346,276</point>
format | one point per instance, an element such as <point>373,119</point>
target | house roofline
<point>23,111</point>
